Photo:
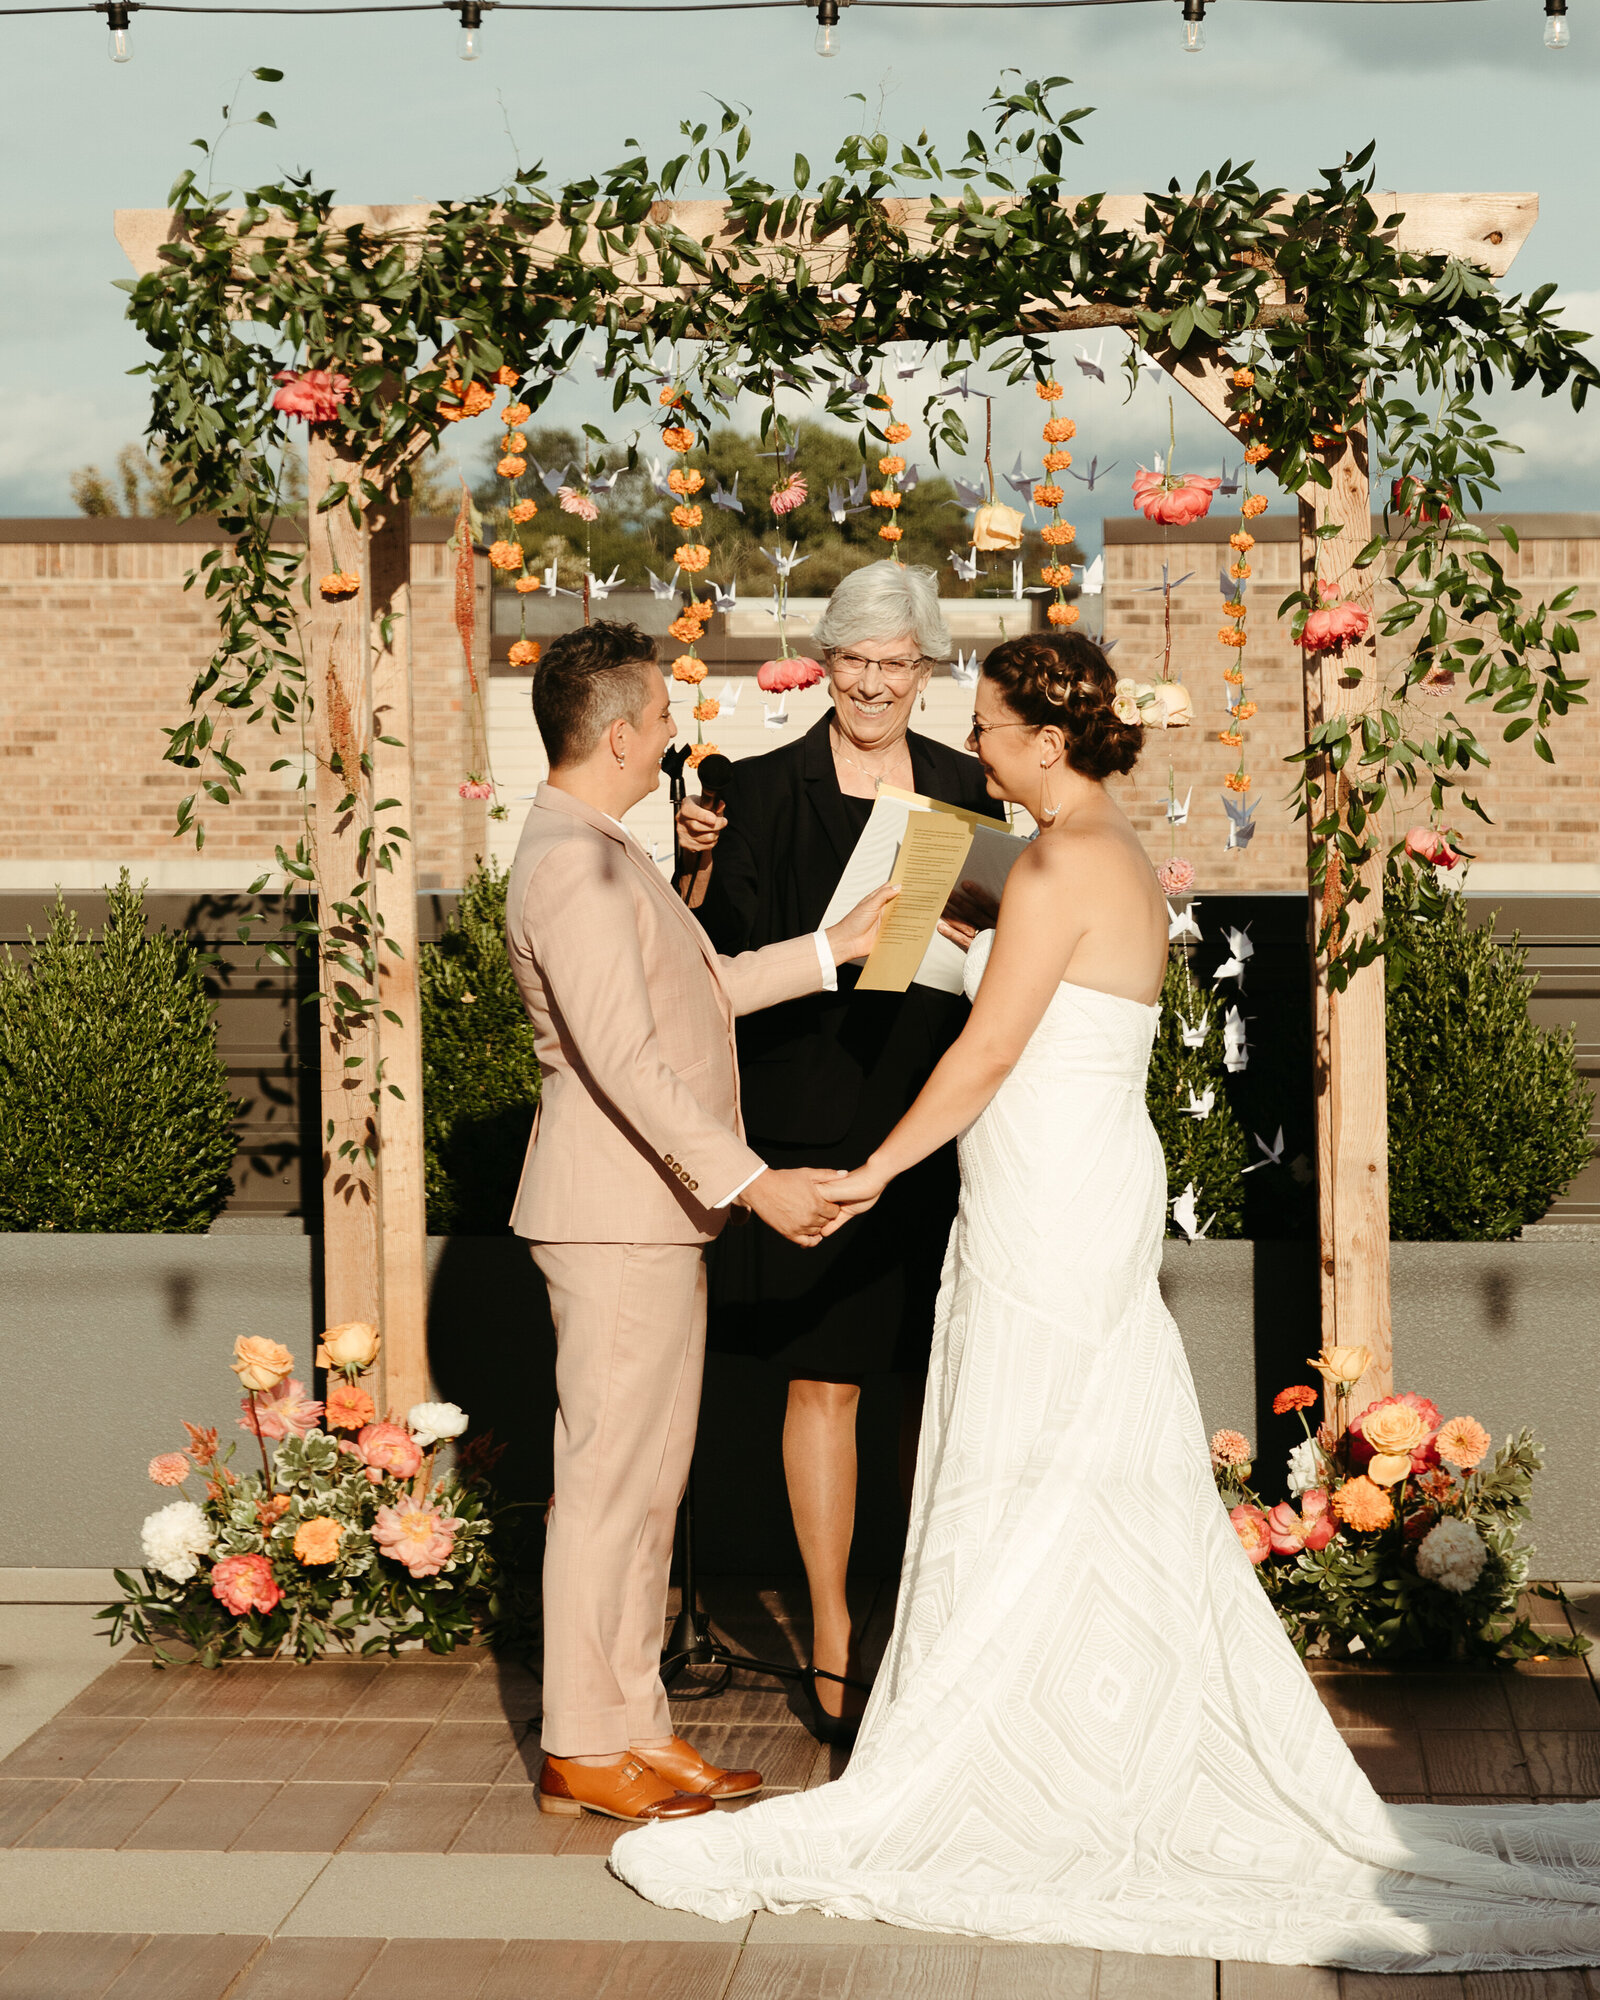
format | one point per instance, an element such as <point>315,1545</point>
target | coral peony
<point>1429,844</point>
<point>314,393</point>
<point>286,1411</point>
<point>170,1468</point>
<point>1300,1397</point>
<point>419,1538</point>
<point>785,676</point>
<point>173,1538</point>
<point>1316,1511</point>
<point>1396,1425</point>
<point>1452,1554</point>
<point>1363,1506</point>
<point>1230,1448</point>
<point>260,1364</point>
<point>349,1407</point>
<point>352,1345</point>
<point>1176,876</point>
<point>1332,627</point>
<point>1312,1527</point>
<point>245,1583</point>
<point>1462,1441</point>
<point>1173,498</point>
<point>435,1423</point>
<point>792,493</point>
<point>1255,1537</point>
<point>388,1448</point>
<point>317,1540</point>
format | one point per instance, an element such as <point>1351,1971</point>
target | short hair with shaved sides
<point>590,678</point>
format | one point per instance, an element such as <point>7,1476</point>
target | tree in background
<point>480,1076</point>
<point>1488,1116</point>
<point>143,489</point>
<point>115,1113</point>
<point>1200,1137</point>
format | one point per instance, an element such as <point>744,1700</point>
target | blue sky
<point>1458,96</point>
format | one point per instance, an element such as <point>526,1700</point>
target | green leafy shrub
<point>480,1076</point>
<point>114,1107</point>
<point>1207,1152</point>
<point>1488,1118</point>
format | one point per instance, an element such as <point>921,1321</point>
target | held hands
<point>854,1193</point>
<point>795,1201</point>
<point>970,909</point>
<point>854,935</point>
<point>699,824</point>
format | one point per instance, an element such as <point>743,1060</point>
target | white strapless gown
<point>1089,1727</point>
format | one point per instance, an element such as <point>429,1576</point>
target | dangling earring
<point>622,762</point>
<point>1046,813</point>
<point>924,701</point>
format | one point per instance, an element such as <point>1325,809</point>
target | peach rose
<point>1255,1538</point>
<point>1396,1425</point>
<point>317,1540</point>
<point>1463,1441</point>
<point>245,1583</point>
<point>388,1448</point>
<point>1342,1364</point>
<point>1363,1506</point>
<point>348,1408</point>
<point>1176,876</point>
<point>171,1468</point>
<point>419,1538</point>
<point>354,1344</point>
<point>260,1364</point>
<point>1388,1468</point>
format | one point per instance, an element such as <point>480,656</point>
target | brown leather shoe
<point>628,1790</point>
<point>682,1765</point>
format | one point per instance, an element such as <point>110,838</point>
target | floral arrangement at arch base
<point>1400,1536</point>
<point>344,1538</point>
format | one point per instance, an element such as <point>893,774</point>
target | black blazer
<point>817,1069</point>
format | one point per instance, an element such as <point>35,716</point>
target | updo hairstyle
<point>1063,680</point>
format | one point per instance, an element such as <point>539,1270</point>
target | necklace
<point>878,777</point>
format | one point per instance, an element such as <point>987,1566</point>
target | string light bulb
<point>827,42</point>
<point>1556,32</point>
<point>1194,26</point>
<point>469,41</point>
<point>117,23</point>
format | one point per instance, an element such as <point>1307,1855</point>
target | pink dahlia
<point>420,1538</point>
<point>1427,843</point>
<point>1176,876</point>
<point>388,1448</point>
<point>312,393</point>
<point>788,496</point>
<point>285,1411</point>
<point>574,502</point>
<point>1173,498</point>
<point>1332,627</point>
<point>783,676</point>
<point>1397,1424</point>
<point>1255,1537</point>
<point>245,1583</point>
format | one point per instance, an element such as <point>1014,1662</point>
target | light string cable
<point>556,6</point>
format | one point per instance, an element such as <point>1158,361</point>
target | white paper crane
<point>1200,1107</point>
<point>1274,1153</point>
<point>729,697</point>
<point>1091,364</point>
<point>1235,1044</point>
<point>1021,482</point>
<point>1096,471</point>
<point>727,496</point>
<point>1241,821</point>
<point>555,588</point>
<point>1179,815</point>
<point>1181,924</point>
<point>658,478</point>
<point>1194,1037</point>
<point>1094,577</point>
<point>964,671</point>
<point>1240,949</point>
<point>660,589</point>
<point>785,565</point>
<point>965,566</point>
<point>1016,578</point>
<point>725,600</point>
<point>777,718</point>
<point>602,586</point>
<point>1185,1216</point>
<point>970,496</point>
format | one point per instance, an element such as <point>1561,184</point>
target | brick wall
<point>99,645</point>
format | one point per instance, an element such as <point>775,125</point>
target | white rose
<point>1452,1555</point>
<point>1305,1468</point>
<point>1125,709</point>
<point>433,1423</point>
<point>173,1537</point>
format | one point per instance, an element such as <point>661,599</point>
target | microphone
<point>714,772</point>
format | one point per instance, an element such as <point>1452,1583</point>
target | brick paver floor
<point>396,1798</point>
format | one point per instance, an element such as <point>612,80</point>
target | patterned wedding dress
<point>1089,1727</point>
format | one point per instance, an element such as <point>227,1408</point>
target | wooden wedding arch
<point>358,662</point>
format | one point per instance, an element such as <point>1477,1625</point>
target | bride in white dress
<point>1089,1727</point>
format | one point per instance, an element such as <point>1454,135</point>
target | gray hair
<point>882,600</point>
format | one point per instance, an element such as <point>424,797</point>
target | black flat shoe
<point>835,1730</point>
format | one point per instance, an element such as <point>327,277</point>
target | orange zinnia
<point>348,1407</point>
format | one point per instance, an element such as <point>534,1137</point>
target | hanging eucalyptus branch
<point>983,259</point>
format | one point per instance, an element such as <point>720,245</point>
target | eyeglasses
<point>982,729</point>
<point>847,669</point>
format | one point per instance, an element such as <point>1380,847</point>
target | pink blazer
<point>638,1132</point>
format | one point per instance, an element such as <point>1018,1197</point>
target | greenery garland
<point>808,290</point>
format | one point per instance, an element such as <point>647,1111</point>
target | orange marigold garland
<point>691,557</point>
<point>1233,635</point>
<point>891,465</point>
<point>1056,533</point>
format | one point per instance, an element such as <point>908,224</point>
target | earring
<point>622,762</point>
<point>924,704</point>
<point>1046,813</point>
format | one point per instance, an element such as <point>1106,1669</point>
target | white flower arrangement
<point>1452,1554</point>
<point>174,1538</point>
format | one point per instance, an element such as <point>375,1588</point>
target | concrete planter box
<point>107,1341</point>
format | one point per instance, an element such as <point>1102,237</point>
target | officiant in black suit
<point>825,1079</point>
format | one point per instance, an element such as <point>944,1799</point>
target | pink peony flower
<point>1332,627</point>
<point>1173,498</point>
<point>574,502</point>
<point>1423,1455</point>
<point>245,1583</point>
<point>1312,1528</point>
<point>419,1538</point>
<point>789,495</point>
<point>388,1448</point>
<point>475,788</point>
<point>1176,876</point>
<point>1428,843</point>
<point>286,1411</point>
<point>1255,1538</point>
<point>313,393</point>
<point>783,676</point>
